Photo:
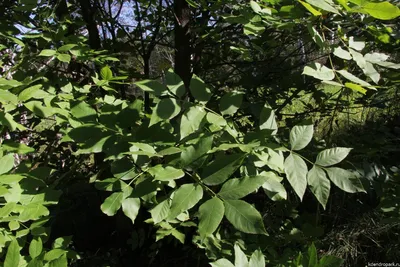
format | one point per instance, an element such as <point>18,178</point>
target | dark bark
<point>89,16</point>
<point>182,41</point>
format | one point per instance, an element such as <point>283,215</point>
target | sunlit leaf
<point>296,173</point>
<point>300,136</point>
<point>329,157</point>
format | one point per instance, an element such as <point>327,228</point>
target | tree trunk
<point>182,41</point>
<point>88,14</point>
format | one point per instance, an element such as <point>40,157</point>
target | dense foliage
<point>177,132</point>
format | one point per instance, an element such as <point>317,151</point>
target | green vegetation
<point>178,133</point>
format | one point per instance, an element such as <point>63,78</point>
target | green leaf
<point>64,58</point>
<point>312,256</point>
<point>191,120</point>
<point>319,185</point>
<point>222,263</point>
<point>194,155</point>
<point>273,187</point>
<point>319,72</point>
<point>7,97</point>
<point>300,136</point>
<point>175,83</point>
<point>330,261</point>
<point>256,8</point>
<point>151,86</point>
<point>345,180</point>
<point>244,217</point>
<point>33,211</point>
<point>112,203</point>
<point>241,187</point>
<point>185,198</point>
<point>12,256</point>
<point>6,163</point>
<point>310,8</point>
<point>35,247</point>
<point>353,78</point>
<point>166,109</point>
<point>130,207</point>
<point>7,209</point>
<point>199,90</point>
<point>240,257</point>
<point>382,10</point>
<point>161,211</point>
<point>7,119</point>
<point>106,73</point>
<point>66,48</point>
<point>230,103</point>
<point>332,156</point>
<point>257,259</point>
<point>211,213</point>
<point>296,173</point>
<point>267,119</point>
<point>357,45</point>
<point>20,148</point>
<point>324,5</point>
<point>356,87</point>
<point>10,178</point>
<point>219,170</point>
<point>84,112</point>
<point>59,262</point>
<point>341,53</point>
<point>47,52</point>
<point>33,92</point>
<point>166,174</point>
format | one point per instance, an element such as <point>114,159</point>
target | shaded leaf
<point>219,170</point>
<point>230,103</point>
<point>130,207</point>
<point>319,185</point>
<point>199,90</point>
<point>273,187</point>
<point>166,109</point>
<point>191,120</point>
<point>112,203</point>
<point>165,174</point>
<point>244,217</point>
<point>211,213</point>
<point>152,86</point>
<point>185,198</point>
<point>241,187</point>
<point>345,180</point>
<point>161,211</point>
<point>6,163</point>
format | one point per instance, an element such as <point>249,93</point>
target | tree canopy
<point>227,131</point>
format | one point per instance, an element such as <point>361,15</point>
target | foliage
<point>200,162</point>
